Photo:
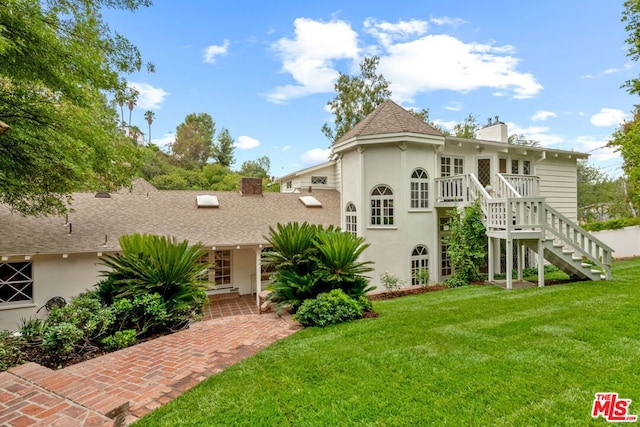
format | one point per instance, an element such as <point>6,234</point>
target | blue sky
<point>551,70</point>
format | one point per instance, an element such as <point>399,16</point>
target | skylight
<point>310,202</point>
<point>207,201</point>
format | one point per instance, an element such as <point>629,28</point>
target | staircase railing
<point>524,185</point>
<point>559,227</point>
<point>476,191</point>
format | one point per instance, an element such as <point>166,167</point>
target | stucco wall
<point>54,276</point>
<point>303,181</point>
<point>625,242</point>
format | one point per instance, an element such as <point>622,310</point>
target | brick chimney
<point>250,186</point>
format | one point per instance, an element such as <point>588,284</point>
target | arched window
<point>419,189</point>
<point>419,261</point>
<point>382,206</point>
<point>351,220</point>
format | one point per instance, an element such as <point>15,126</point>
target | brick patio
<point>120,387</point>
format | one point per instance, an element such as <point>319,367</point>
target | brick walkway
<point>120,387</point>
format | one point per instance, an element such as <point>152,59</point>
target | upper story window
<point>419,189</point>
<point>16,282</point>
<point>382,206</point>
<point>319,180</point>
<point>526,167</point>
<point>515,166</point>
<point>450,166</point>
<point>351,220</point>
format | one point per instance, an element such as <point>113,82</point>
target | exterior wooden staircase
<point>514,212</point>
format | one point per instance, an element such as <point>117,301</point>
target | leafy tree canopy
<point>258,168</point>
<point>57,60</point>
<point>194,140</point>
<point>467,128</point>
<point>626,140</point>
<point>223,150</point>
<point>631,19</point>
<point>356,97</point>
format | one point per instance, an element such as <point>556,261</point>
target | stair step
<point>586,264</point>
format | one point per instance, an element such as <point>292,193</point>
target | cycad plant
<point>151,264</point>
<point>310,260</point>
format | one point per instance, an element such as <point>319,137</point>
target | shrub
<point>32,329</point>
<point>328,308</point>
<point>391,282</point>
<point>10,350</point>
<point>86,313</point>
<point>422,276</point>
<point>612,224</point>
<point>311,260</point>
<point>120,339</point>
<point>151,264</point>
<point>467,243</point>
<point>365,303</point>
<point>144,313</point>
<point>455,280</point>
<point>62,338</point>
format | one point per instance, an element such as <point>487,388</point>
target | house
<point>399,178</point>
<point>393,179</point>
<point>46,257</point>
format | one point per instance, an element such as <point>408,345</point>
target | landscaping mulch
<point>413,290</point>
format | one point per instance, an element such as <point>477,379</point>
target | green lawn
<point>468,356</point>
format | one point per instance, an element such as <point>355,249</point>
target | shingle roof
<point>389,117</point>
<point>240,220</point>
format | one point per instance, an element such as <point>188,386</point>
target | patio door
<point>483,171</point>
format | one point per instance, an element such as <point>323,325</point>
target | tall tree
<point>258,168</point>
<point>57,59</point>
<point>626,140</point>
<point>149,116</point>
<point>468,128</point>
<point>223,150</point>
<point>120,98</point>
<point>520,139</point>
<point>194,140</point>
<point>631,19</point>
<point>423,115</point>
<point>132,100</point>
<point>356,97</point>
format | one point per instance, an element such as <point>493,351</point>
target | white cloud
<point>387,32</point>
<point>454,106</point>
<point>613,70</point>
<point>411,60</point>
<point>309,57</point>
<point>596,146</point>
<point>165,141</point>
<point>212,51</point>
<point>246,143</point>
<point>149,97</point>
<point>461,67</point>
<point>446,124</point>
<point>608,117</point>
<point>542,115</point>
<point>445,20</point>
<point>316,155</point>
<point>536,133</point>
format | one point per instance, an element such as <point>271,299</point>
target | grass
<point>468,356</point>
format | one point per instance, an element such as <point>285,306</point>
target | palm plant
<point>149,116</point>
<point>310,260</point>
<point>131,99</point>
<point>338,264</point>
<point>156,264</point>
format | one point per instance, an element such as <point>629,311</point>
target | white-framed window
<point>266,270</point>
<point>382,206</point>
<point>419,261</point>
<point>351,219</point>
<point>319,180</point>
<point>515,166</point>
<point>450,166</point>
<point>16,282</point>
<point>288,185</point>
<point>419,189</point>
<point>526,167</point>
<point>222,268</point>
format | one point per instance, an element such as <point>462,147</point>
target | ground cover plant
<point>154,286</point>
<point>474,355</point>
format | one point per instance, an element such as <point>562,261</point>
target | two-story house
<point>399,177</point>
